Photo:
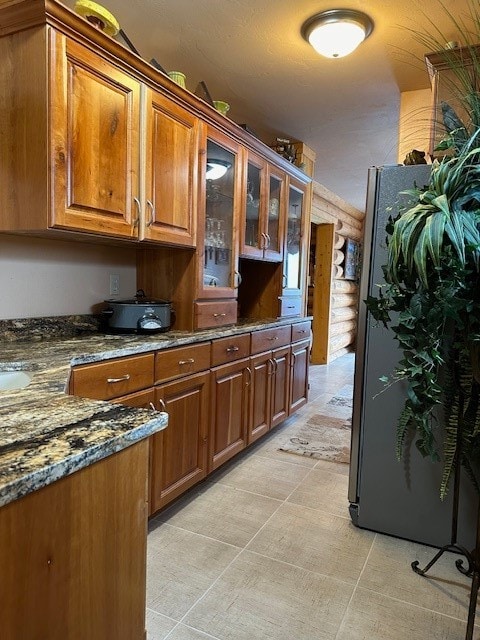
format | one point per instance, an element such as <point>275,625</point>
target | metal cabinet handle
<point>291,306</point>
<point>273,338</point>
<point>232,349</point>
<point>136,222</point>
<point>152,406</point>
<point>249,372</point>
<point>268,240</point>
<point>239,279</point>
<point>285,281</point>
<point>219,315</point>
<point>162,404</point>
<point>112,380</point>
<point>152,213</point>
<point>264,241</point>
<point>270,367</point>
<point>188,361</point>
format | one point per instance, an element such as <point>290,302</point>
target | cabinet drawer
<point>229,349</point>
<point>215,314</point>
<point>114,378</point>
<point>290,306</point>
<point>301,330</point>
<point>173,363</point>
<point>270,338</point>
<point>141,399</point>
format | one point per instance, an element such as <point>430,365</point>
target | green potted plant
<point>431,295</point>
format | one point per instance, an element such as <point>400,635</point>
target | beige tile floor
<point>265,550</point>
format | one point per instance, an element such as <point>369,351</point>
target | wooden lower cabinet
<point>179,452</point>
<point>260,397</point>
<point>300,358</point>
<point>229,411</point>
<point>280,385</point>
<point>73,555</point>
<point>140,400</point>
<point>269,404</point>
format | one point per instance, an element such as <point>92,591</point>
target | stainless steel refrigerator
<point>396,498</point>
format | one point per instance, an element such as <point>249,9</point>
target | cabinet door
<point>280,385</point>
<point>260,396</point>
<point>179,452</point>
<point>229,411</point>
<point>254,238</point>
<point>295,237</point>
<point>218,257</point>
<point>275,216</point>
<point>171,168</point>
<point>300,357</point>
<point>94,142</point>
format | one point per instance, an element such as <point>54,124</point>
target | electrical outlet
<point>114,284</point>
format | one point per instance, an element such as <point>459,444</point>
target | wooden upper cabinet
<point>220,199</point>
<point>95,116</point>
<point>264,210</point>
<point>171,154</point>
<point>295,237</point>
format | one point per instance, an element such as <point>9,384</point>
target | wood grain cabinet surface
<point>95,144</point>
<point>113,378</point>
<point>73,555</point>
<point>179,452</point>
<point>171,172</point>
<point>300,359</point>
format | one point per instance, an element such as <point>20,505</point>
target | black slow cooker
<point>139,314</point>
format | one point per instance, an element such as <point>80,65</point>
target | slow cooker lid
<point>140,298</point>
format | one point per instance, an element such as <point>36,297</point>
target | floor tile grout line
<point>207,635</point>
<point>419,606</point>
<point>356,586</point>
<point>202,535</point>
<point>297,566</point>
<point>240,552</point>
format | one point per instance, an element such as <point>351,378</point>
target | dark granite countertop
<point>46,434</point>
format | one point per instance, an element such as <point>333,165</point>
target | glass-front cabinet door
<point>293,269</point>
<point>275,215</point>
<point>219,275</point>
<point>263,207</point>
<point>254,238</point>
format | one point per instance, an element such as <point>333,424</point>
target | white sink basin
<point>10,380</point>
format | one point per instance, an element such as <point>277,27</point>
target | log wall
<point>333,300</point>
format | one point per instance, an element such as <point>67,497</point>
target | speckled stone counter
<point>46,434</point>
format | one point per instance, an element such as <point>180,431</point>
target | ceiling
<point>251,54</point>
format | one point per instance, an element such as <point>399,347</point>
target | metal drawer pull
<point>152,406</point>
<point>122,379</point>
<point>219,315</point>
<point>274,338</point>
<point>232,349</point>
<point>162,405</point>
<point>301,331</point>
<point>291,306</point>
<point>189,361</point>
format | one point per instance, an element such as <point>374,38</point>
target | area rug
<point>321,437</point>
<point>343,398</point>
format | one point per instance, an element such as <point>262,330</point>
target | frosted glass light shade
<point>216,169</point>
<point>337,32</point>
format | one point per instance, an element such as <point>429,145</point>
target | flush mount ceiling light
<point>216,169</point>
<point>337,32</point>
